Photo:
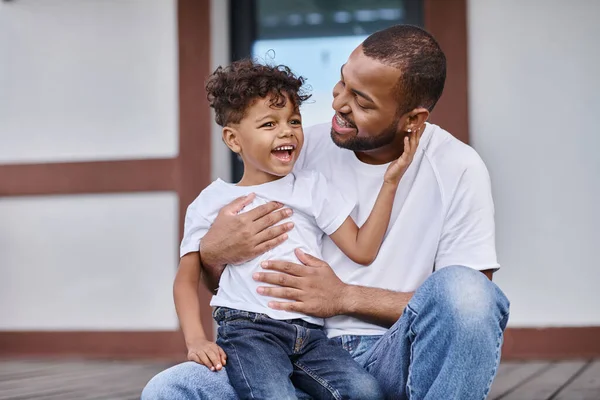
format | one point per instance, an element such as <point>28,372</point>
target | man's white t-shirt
<point>319,209</point>
<point>443,214</point>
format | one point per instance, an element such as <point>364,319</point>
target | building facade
<point>106,137</point>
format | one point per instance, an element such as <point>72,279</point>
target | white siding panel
<point>92,262</point>
<point>534,108</point>
<point>88,80</point>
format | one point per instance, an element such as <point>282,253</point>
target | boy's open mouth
<point>284,153</point>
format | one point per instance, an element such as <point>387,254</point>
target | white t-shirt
<point>318,208</point>
<point>443,214</point>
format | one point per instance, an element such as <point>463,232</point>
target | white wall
<point>88,80</point>
<point>84,80</point>
<point>534,108</point>
<point>91,262</point>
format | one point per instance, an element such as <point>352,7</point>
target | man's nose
<point>340,103</point>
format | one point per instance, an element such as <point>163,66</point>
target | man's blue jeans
<point>446,345</point>
<point>264,353</point>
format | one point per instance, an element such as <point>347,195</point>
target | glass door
<point>313,37</point>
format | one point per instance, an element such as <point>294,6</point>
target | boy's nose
<point>286,132</point>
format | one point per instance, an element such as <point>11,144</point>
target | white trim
<point>220,165</point>
<point>219,55</point>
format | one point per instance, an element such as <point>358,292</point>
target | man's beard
<point>357,143</point>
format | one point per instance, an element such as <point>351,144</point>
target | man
<point>422,334</point>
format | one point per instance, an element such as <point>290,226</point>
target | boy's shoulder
<point>214,196</point>
<point>308,178</point>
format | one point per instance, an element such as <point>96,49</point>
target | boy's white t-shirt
<point>443,214</point>
<point>319,208</point>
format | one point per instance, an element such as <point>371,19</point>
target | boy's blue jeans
<point>446,345</point>
<point>264,353</point>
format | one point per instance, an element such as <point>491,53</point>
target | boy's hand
<point>397,168</point>
<point>207,353</point>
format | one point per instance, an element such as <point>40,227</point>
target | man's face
<point>366,106</point>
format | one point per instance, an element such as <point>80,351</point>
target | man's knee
<point>364,387</point>
<point>163,385</point>
<point>187,381</point>
<point>157,388</point>
<point>462,296</point>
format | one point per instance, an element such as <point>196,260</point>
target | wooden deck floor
<point>116,380</point>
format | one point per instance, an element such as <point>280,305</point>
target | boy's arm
<point>362,244</point>
<point>187,304</point>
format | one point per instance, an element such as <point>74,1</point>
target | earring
<point>409,130</point>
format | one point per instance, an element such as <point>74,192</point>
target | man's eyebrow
<point>361,94</point>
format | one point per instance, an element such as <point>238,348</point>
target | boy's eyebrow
<point>361,94</point>
<point>274,116</point>
<point>270,115</point>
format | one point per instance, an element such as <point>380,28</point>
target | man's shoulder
<point>448,155</point>
<point>455,164</point>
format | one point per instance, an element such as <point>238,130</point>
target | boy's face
<point>268,138</point>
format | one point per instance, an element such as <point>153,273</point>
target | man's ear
<point>415,119</point>
<point>231,139</point>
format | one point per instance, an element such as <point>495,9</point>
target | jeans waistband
<point>224,313</point>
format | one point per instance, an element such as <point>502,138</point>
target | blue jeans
<point>446,345</point>
<point>268,359</point>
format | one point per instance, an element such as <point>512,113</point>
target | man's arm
<point>234,238</point>
<point>210,275</point>
<point>468,234</point>
<point>379,306</point>
<point>319,292</point>
<point>316,290</point>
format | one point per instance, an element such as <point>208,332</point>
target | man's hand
<point>314,287</point>
<point>234,238</point>
<point>207,353</point>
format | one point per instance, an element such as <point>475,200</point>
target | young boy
<point>271,351</point>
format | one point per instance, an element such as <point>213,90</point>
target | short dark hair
<point>419,58</point>
<point>231,90</point>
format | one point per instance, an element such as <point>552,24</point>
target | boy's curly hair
<point>231,90</point>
